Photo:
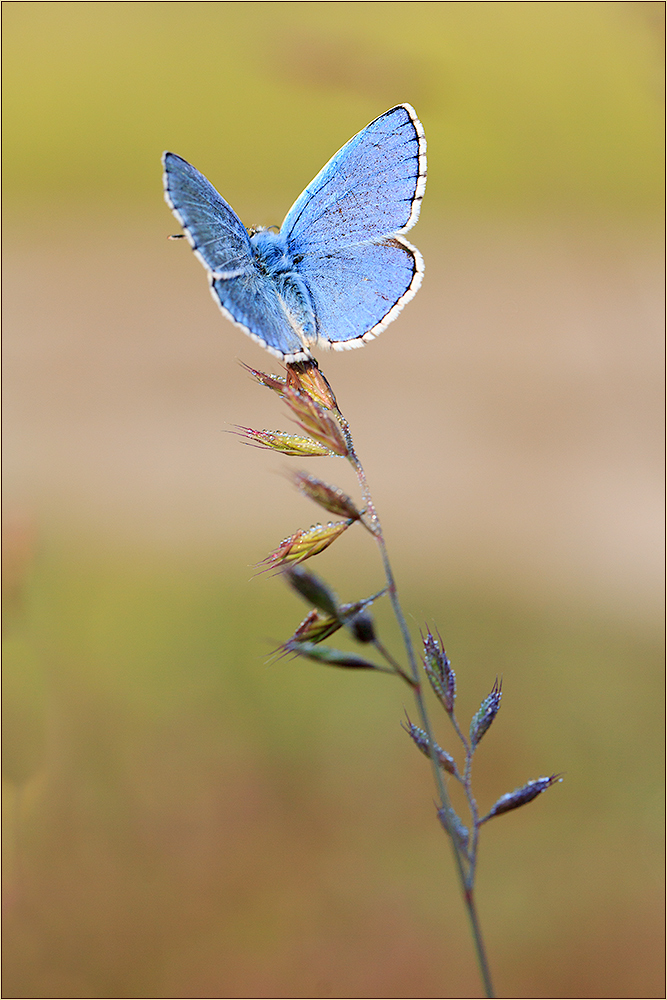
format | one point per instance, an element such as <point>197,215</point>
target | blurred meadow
<point>182,817</point>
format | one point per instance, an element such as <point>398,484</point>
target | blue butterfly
<point>339,270</point>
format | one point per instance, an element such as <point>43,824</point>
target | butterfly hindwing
<point>254,304</point>
<point>357,291</point>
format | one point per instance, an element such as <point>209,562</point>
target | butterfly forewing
<point>213,228</point>
<point>371,188</point>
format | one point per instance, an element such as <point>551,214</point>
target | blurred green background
<point>183,819</point>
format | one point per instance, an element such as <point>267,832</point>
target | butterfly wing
<point>345,230</point>
<point>219,239</point>
<point>214,230</point>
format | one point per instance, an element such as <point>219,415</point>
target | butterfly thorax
<point>271,252</point>
<point>273,258</point>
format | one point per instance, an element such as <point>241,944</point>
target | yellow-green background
<point>182,819</point>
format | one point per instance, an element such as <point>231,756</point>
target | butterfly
<point>339,269</point>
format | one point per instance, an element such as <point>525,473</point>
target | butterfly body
<point>339,269</point>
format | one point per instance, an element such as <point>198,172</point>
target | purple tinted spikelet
<point>331,657</point>
<point>316,420</point>
<point>361,626</point>
<point>311,400</point>
<point>455,828</point>
<point>439,671</point>
<point>304,376</point>
<point>275,382</point>
<point>485,715</point>
<point>520,796</point>
<point>421,741</point>
<point>313,590</point>
<point>330,497</point>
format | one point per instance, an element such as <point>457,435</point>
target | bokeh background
<point>184,817</point>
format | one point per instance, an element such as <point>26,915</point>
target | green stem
<point>466,887</point>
